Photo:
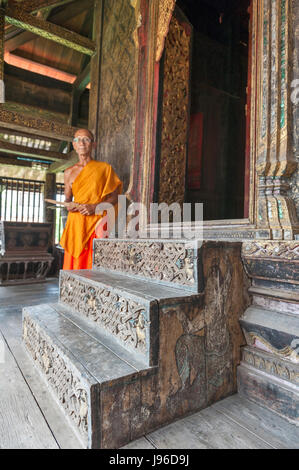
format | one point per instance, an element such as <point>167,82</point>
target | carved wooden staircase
<point>127,348</point>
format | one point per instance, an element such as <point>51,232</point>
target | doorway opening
<point>216,156</point>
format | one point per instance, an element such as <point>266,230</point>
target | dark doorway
<point>216,157</point>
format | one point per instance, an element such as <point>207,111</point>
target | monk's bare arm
<point>68,193</point>
<point>67,186</point>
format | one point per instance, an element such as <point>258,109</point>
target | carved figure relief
<point>65,383</point>
<point>126,319</point>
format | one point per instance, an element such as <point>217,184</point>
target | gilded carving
<point>271,365</point>
<point>174,114</point>
<point>166,8</point>
<point>45,127</point>
<point>282,251</point>
<point>261,343</point>
<point>276,161</point>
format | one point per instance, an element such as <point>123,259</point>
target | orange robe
<point>94,182</point>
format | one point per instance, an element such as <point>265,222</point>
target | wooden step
<point>125,308</point>
<point>78,367</point>
<point>170,262</point>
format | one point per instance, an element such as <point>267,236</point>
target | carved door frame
<point>272,213</point>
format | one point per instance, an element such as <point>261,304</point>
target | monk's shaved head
<point>84,132</point>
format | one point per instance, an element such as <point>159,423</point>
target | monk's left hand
<point>87,209</point>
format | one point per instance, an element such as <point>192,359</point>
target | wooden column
<point>276,215</point>
<point>95,64</point>
<point>50,193</point>
<point>2,24</point>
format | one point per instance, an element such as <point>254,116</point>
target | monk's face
<point>83,142</point>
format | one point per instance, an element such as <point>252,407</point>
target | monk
<point>89,182</point>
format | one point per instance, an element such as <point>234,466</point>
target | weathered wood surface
<point>21,422</point>
<point>207,429</point>
<point>272,392</point>
<point>11,327</point>
<point>263,423</point>
<point>242,418</point>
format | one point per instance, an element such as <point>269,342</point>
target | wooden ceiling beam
<point>21,37</point>
<point>33,111</point>
<point>16,16</point>
<point>31,6</point>
<point>31,152</point>
<point>28,135</point>
<point>36,126</point>
<point>82,80</point>
<point>13,161</point>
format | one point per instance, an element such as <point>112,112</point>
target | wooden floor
<point>31,419</point>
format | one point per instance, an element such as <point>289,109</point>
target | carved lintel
<point>166,8</point>
<point>37,126</point>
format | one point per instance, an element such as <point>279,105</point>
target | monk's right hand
<point>72,207</point>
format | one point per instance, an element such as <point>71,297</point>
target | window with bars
<point>22,200</point>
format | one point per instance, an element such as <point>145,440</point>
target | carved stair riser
<point>171,263</point>
<point>71,386</point>
<point>266,390</point>
<point>129,319</point>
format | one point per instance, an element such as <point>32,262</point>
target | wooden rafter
<point>16,16</point>
<point>82,80</point>
<point>36,126</point>
<point>22,150</point>
<point>18,38</point>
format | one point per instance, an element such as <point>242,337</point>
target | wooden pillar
<point>95,63</point>
<point>2,24</point>
<point>50,193</point>
<point>276,162</point>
